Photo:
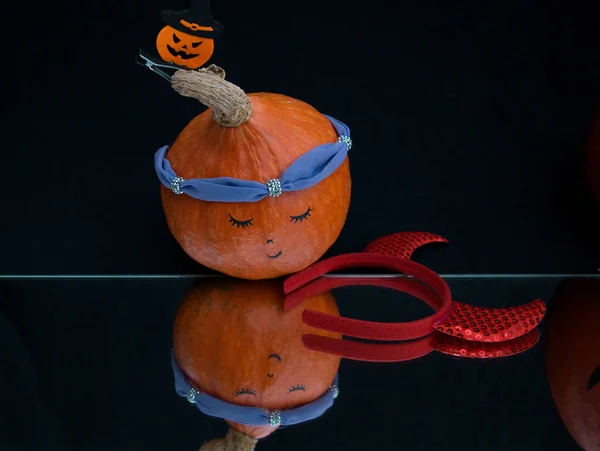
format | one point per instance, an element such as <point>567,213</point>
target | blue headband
<point>251,416</point>
<point>305,172</point>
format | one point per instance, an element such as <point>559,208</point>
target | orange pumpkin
<point>252,137</point>
<point>183,49</point>
<point>593,160</point>
<point>573,358</point>
<point>233,341</point>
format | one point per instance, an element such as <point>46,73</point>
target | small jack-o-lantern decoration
<point>573,358</point>
<point>235,344</point>
<point>183,49</point>
<point>187,40</point>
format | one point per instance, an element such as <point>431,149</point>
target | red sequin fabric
<point>490,325</point>
<point>403,244</point>
<point>476,350</point>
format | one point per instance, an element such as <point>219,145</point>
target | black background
<point>469,119</point>
<point>88,368</point>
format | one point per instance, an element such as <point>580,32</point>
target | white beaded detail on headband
<point>346,139</point>
<point>274,187</point>
<point>335,390</point>
<point>274,418</point>
<point>191,395</point>
<point>176,185</point>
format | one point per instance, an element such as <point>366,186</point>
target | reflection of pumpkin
<point>183,49</point>
<point>573,358</point>
<point>593,159</point>
<point>233,341</point>
<point>252,137</point>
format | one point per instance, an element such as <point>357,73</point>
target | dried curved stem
<point>233,441</point>
<point>230,105</point>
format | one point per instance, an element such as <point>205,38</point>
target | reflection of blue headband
<point>306,171</point>
<point>251,416</point>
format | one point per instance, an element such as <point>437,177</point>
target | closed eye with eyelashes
<point>248,222</point>
<point>243,224</point>
<point>298,387</point>
<point>301,217</point>
<point>245,391</point>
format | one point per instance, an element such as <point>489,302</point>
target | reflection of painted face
<point>573,358</point>
<point>278,378</point>
<point>256,356</point>
<point>277,361</point>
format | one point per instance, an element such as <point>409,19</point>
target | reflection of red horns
<point>478,350</point>
<point>462,333</point>
<point>370,352</point>
<point>414,349</point>
<point>490,325</point>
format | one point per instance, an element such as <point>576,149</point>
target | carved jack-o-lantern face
<point>573,358</point>
<point>183,49</point>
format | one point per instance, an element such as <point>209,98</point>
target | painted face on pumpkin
<point>272,250</point>
<point>573,358</point>
<point>269,238</point>
<point>184,49</point>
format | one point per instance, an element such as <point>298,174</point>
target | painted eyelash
<point>297,387</point>
<point>245,391</point>
<point>242,224</point>
<point>301,217</point>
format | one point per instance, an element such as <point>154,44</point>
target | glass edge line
<point>213,276</point>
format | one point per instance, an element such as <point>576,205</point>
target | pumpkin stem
<point>233,441</point>
<point>229,103</point>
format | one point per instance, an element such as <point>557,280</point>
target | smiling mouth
<point>181,53</point>
<point>276,255</point>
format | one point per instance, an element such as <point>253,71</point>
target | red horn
<point>403,244</point>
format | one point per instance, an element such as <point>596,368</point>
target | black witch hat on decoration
<point>196,21</point>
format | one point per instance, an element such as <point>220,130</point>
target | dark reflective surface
<point>86,366</point>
